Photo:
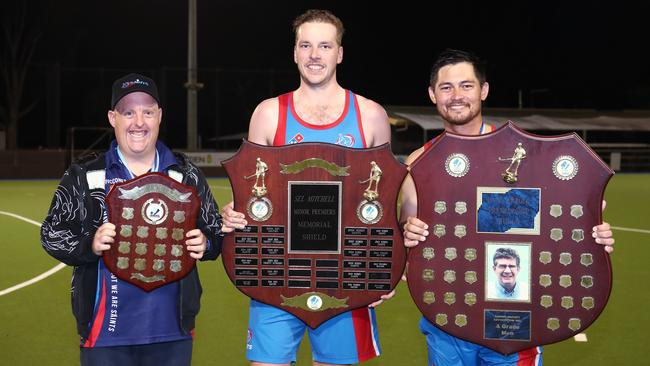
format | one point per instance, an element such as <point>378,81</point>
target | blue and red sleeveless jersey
<point>345,131</point>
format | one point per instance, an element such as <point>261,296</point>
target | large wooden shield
<point>322,235</point>
<point>151,214</point>
<point>510,262</point>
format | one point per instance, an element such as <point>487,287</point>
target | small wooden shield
<point>520,253</point>
<point>151,214</point>
<point>322,235</point>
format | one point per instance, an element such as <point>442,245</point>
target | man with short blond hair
<point>320,110</point>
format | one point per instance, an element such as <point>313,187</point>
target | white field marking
<point>20,218</point>
<point>580,337</point>
<point>43,275</point>
<point>631,229</point>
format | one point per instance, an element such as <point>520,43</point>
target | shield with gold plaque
<point>151,214</point>
<point>533,274</point>
<point>322,235</point>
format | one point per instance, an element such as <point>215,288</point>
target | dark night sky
<point>563,54</point>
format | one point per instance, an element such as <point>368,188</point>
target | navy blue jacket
<point>77,210</point>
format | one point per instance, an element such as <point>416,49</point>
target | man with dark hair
<point>458,87</point>
<point>506,265</point>
<point>452,57</point>
<point>320,110</point>
<point>119,323</point>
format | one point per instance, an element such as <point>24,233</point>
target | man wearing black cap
<point>119,323</point>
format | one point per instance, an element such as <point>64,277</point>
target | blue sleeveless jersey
<point>345,131</point>
<point>125,314</point>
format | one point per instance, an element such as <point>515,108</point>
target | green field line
<point>220,187</point>
<point>631,229</point>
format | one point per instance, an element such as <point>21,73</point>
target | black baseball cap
<point>132,83</point>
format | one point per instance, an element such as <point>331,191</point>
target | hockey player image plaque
<point>327,239</point>
<point>512,266</point>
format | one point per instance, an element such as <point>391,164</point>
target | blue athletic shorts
<point>447,350</point>
<point>274,336</point>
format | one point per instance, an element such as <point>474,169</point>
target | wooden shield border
<point>151,254</point>
<point>564,279</point>
<point>312,285</point>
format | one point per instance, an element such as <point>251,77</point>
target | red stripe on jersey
<point>99,320</point>
<point>280,132</point>
<point>527,357</point>
<point>429,143</point>
<point>363,334</point>
<point>363,135</point>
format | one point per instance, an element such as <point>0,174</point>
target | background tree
<point>19,43</point>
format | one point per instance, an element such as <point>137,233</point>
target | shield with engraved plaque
<point>322,235</point>
<point>151,214</point>
<point>514,265</point>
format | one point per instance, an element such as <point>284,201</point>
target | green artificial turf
<point>37,326</point>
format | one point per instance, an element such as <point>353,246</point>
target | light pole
<point>192,85</point>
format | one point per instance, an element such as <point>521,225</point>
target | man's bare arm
<point>261,130</point>
<point>264,122</point>
<point>376,128</point>
<point>415,230</point>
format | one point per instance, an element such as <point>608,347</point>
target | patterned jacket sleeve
<point>68,230</point>
<point>209,220</point>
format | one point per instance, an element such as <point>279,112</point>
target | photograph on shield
<point>507,271</point>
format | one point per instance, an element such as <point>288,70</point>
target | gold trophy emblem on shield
<point>370,211</point>
<point>259,208</point>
